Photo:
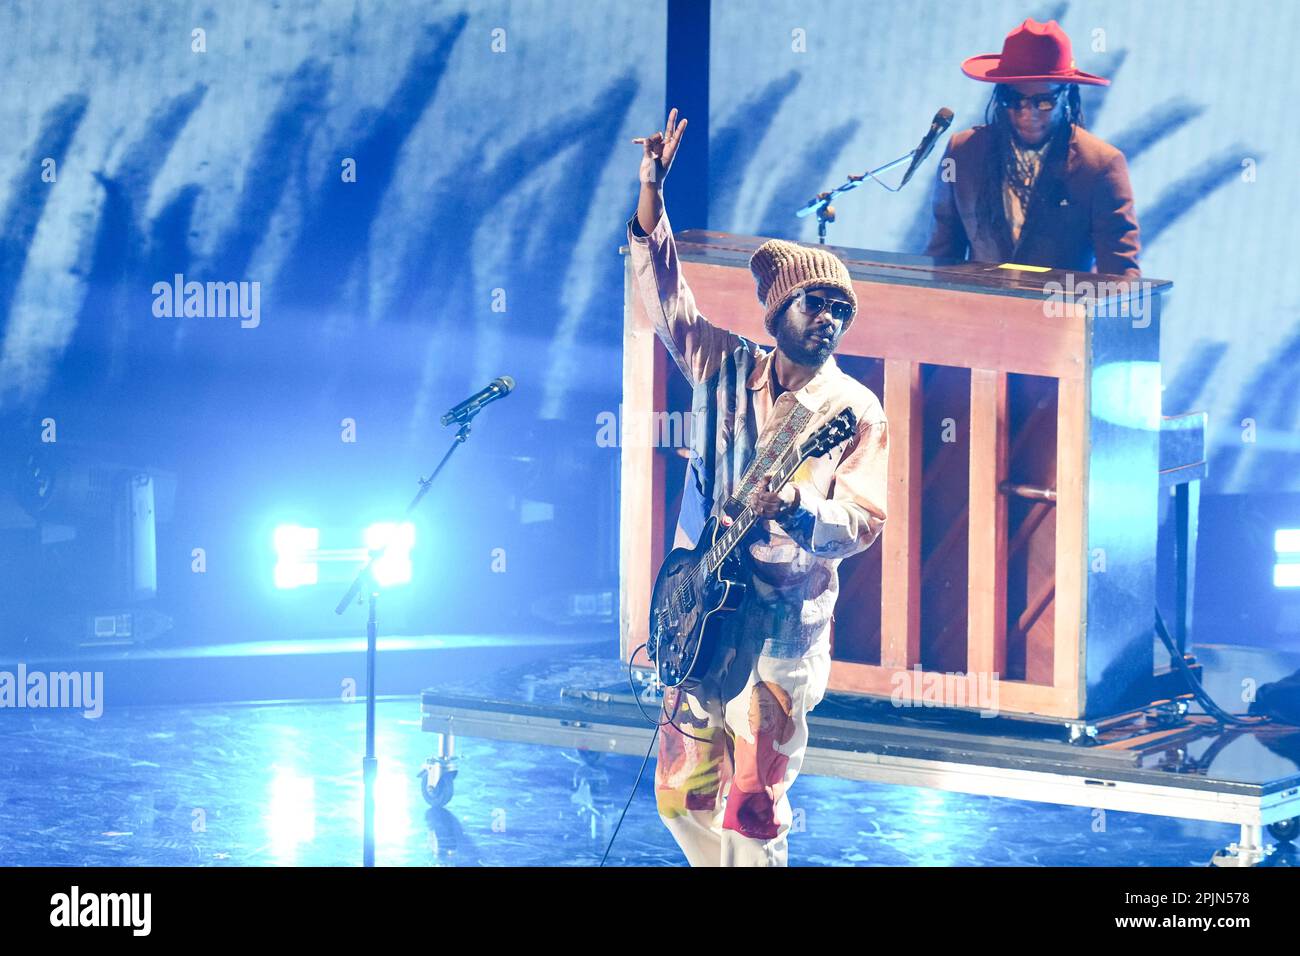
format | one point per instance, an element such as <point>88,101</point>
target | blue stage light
<point>299,555</point>
<point>296,549</point>
<point>1286,545</point>
<point>395,566</point>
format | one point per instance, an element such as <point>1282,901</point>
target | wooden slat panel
<point>897,683</point>
<point>906,326</point>
<point>945,526</point>
<point>1071,539</point>
<point>1031,551</point>
<point>855,629</point>
<point>642,501</point>
<point>1040,634</point>
<point>1004,333</point>
<point>1034,626</point>
<point>986,632</point>
<point>900,575</point>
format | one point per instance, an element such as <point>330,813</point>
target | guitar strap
<point>768,455</point>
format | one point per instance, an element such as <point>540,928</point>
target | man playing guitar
<point>727,761</point>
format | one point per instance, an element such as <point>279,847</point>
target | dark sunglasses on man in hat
<point>1009,99</point>
<point>813,305</point>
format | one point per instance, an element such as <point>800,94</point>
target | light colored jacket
<point>794,561</point>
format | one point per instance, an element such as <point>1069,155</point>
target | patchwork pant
<point>724,796</point>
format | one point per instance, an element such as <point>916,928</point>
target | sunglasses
<point>814,305</point>
<point>1042,102</point>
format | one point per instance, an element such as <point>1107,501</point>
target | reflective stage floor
<point>280,784</point>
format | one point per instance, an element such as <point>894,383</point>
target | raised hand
<point>659,150</point>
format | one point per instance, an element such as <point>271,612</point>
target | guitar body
<point>690,603</point>
<point>688,608</point>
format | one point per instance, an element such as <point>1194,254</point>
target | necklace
<point>1022,168</point>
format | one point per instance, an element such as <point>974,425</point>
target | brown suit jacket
<point>1081,211</point>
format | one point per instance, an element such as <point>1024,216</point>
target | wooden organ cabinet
<point>1024,475</point>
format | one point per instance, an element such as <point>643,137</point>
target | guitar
<point>697,588</point>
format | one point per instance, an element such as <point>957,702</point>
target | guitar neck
<point>787,465</point>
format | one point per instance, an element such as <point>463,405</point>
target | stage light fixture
<point>1286,547</point>
<point>296,548</point>
<point>395,566</point>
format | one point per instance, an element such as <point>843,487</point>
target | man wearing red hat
<point>1032,186</point>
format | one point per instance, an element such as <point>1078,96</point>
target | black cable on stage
<point>636,699</point>
<point>635,783</point>
<point>1198,691</point>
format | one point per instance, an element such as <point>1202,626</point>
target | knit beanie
<point>782,268</point>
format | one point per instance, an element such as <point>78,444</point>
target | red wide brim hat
<point>1032,53</point>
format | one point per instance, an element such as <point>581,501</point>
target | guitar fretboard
<point>787,465</point>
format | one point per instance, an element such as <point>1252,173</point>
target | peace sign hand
<point>660,149</point>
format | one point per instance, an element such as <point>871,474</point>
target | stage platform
<point>1165,761</point>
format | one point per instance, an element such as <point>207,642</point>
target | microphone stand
<point>822,203</point>
<point>365,577</point>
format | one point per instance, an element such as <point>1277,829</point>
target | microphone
<point>941,121</point>
<point>498,388</point>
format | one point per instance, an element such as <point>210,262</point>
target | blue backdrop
<point>432,194</point>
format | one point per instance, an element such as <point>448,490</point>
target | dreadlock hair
<point>989,197</point>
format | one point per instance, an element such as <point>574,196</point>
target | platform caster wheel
<point>437,785</point>
<point>1284,831</point>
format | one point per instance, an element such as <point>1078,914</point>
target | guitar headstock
<point>835,432</point>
